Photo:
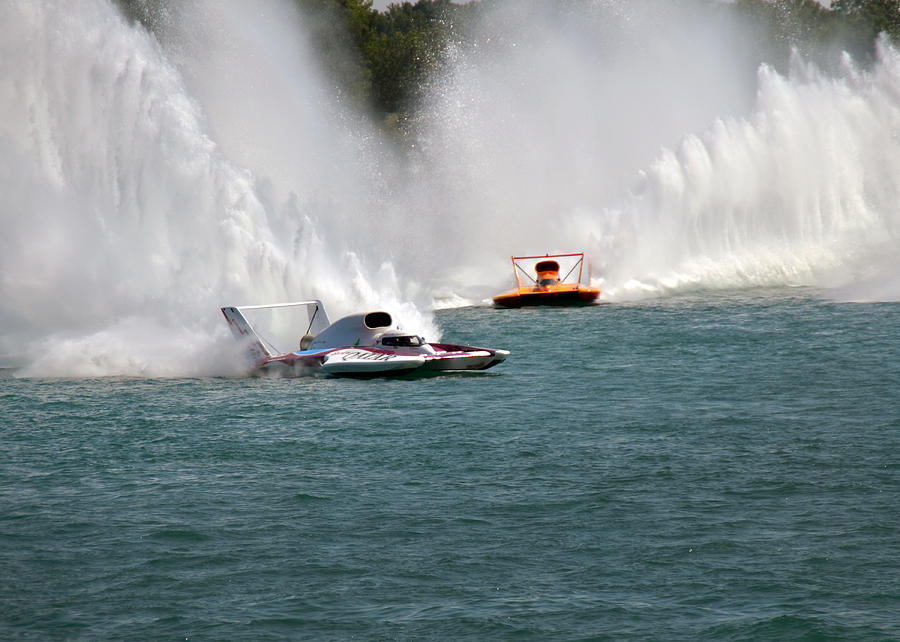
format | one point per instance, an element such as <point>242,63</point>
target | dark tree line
<point>393,52</point>
<point>849,25</point>
<point>388,54</point>
<point>380,60</point>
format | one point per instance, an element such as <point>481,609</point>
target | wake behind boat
<point>366,344</point>
<point>548,288</point>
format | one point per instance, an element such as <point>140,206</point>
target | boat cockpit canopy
<point>402,340</point>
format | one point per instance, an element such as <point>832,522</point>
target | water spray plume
<point>634,125</point>
<point>799,193</point>
<point>151,177</point>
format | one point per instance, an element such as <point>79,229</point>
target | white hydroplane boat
<point>367,344</point>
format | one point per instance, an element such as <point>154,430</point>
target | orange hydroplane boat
<point>547,288</point>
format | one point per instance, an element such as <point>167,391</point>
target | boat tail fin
<point>243,331</point>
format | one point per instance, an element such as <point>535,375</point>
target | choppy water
<point>712,466</point>
<point>719,464</point>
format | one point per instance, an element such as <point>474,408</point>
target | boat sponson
<point>528,296</point>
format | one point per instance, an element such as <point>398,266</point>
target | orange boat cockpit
<point>547,273</point>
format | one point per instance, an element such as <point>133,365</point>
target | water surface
<point>712,466</point>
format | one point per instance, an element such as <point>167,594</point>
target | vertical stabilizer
<point>243,331</point>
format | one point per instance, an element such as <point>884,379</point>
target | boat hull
<point>369,363</point>
<point>560,297</point>
<point>366,362</point>
<point>449,357</point>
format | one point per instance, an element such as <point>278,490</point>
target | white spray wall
<point>150,179</point>
<point>144,189</point>
<point>802,192</point>
<point>647,134</point>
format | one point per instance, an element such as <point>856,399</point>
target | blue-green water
<point>716,466</point>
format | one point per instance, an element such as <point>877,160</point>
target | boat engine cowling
<point>374,320</point>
